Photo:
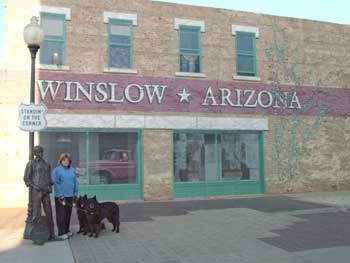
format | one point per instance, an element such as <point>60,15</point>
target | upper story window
<point>245,54</point>
<point>53,46</point>
<point>190,49</point>
<point>120,27</point>
<point>53,22</point>
<point>245,51</point>
<point>120,44</point>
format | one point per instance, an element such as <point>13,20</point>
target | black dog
<point>96,212</point>
<point>82,215</point>
<point>110,211</point>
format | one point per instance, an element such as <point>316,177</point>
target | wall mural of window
<point>216,156</point>
<point>240,156</point>
<point>99,157</point>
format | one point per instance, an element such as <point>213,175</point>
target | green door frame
<point>111,191</point>
<point>220,187</point>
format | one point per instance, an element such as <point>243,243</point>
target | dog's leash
<point>80,209</point>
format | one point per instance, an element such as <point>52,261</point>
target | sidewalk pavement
<point>13,249</point>
<point>335,199</point>
<point>298,228</point>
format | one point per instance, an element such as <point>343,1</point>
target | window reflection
<point>99,158</point>
<point>215,157</point>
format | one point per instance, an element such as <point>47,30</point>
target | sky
<point>2,30</point>
<point>335,11</point>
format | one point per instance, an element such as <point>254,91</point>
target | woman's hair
<point>64,156</point>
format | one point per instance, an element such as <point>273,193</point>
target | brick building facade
<point>161,101</point>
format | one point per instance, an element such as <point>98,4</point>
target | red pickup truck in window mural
<point>115,166</point>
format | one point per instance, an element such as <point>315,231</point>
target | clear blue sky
<point>336,11</point>
<point>2,30</point>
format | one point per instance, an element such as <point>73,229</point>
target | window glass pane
<point>47,51</point>
<point>113,158</point>
<point>120,34</point>
<point>189,39</point>
<point>245,65</point>
<point>245,42</point>
<point>119,57</point>
<point>74,143</point>
<point>52,26</point>
<point>194,157</point>
<point>189,63</point>
<point>211,157</point>
<point>240,157</point>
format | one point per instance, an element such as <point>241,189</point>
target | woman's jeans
<point>63,214</point>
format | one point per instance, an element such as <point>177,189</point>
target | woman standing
<point>66,190</point>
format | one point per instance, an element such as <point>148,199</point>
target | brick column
<point>158,164</point>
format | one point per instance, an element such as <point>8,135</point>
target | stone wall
<point>312,48</point>
<point>307,154</point>
<point>158,163</point>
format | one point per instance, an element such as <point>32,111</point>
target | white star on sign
<point>184,96</point>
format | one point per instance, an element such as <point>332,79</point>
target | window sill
<point>120,70</point>
<point>190,74</point>
<point>249,78</point>
<point>54,67</point>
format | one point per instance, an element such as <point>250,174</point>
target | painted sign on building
<point>125,93</point>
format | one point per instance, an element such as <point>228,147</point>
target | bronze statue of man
<point>37,177</point>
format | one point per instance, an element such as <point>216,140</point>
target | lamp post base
<point>29,221</point>
<point>27,230</point>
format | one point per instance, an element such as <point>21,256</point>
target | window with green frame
<point>52,48</point>
<point>120,43</point>
<point>216,156</point>
<point>190,49</point>
<point>99,157</point>
<point>245,54</point>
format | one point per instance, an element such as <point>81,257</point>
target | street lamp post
<point>33,36</point>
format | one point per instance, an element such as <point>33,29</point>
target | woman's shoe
<point>54,238</point>
<point>69,234</point>
<point>63,237</point>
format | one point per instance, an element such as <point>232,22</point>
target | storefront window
<point>239,157</point>
<point>99,157</point>
<point>215,156</point>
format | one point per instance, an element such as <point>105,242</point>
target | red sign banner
<point>111,92</point>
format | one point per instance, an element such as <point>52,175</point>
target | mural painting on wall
<point>288,151</point>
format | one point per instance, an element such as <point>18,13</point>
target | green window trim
<point>261,162</point>
<point>187,51</point>
<point>130,191</point>
<point>122,22</point>
<point>246,53</point>
<point>220,187</point>
<point>56,39</point>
